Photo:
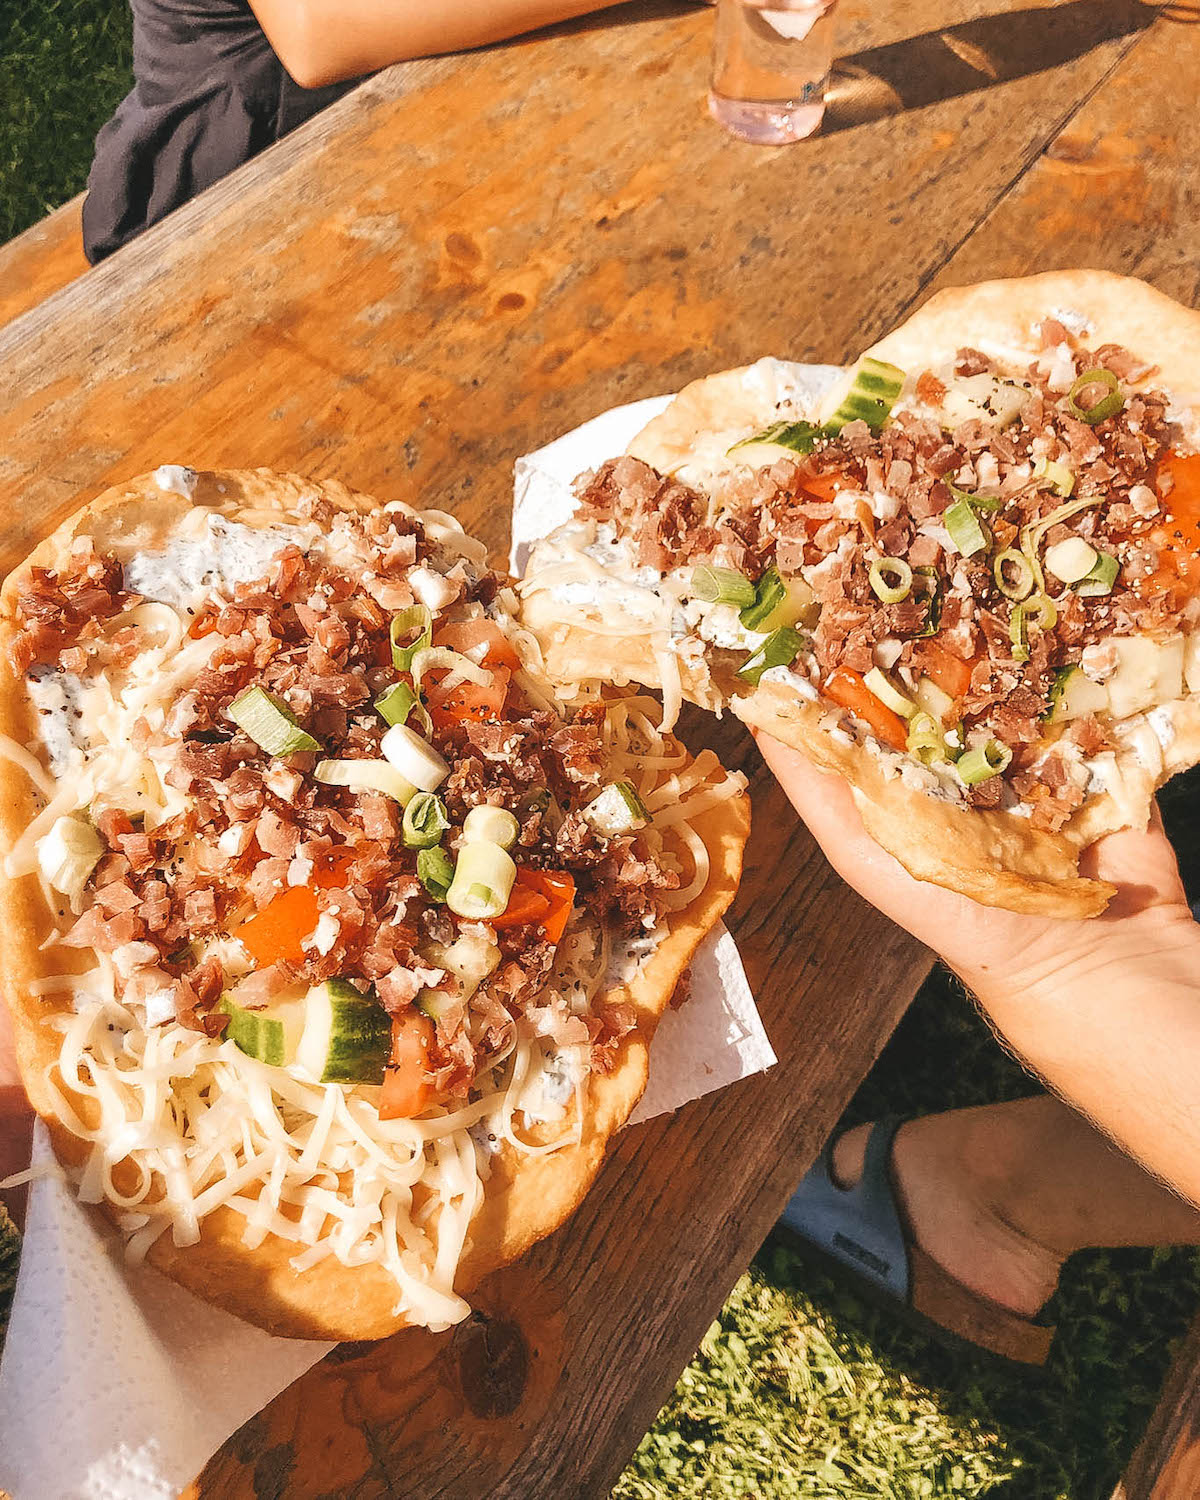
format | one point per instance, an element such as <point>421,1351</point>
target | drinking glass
<point>771,62</point>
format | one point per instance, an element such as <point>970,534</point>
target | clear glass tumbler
<point>771,62</point>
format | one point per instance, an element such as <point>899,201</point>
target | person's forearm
<point>324,41</point>
<point>1120,1040</point>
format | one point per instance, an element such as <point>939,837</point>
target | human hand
<point>1002,955</point>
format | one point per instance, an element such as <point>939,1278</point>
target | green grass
<point>803,1390</point>
<point>64,66</point>
<point>799,1389</point>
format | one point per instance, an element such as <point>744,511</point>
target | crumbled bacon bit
<point>259,830</point>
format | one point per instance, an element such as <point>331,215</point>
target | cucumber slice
<point>983,398</point>
<point>779,602</point>
<point>780,440</point>
<point>931,699</point>
<point>347,1035</point>
<point>618,809</point>
<point>271,1035</point>
<point>872,394</point>
<point>470,958</point>
<point>1074,695</point>
<point>1149,672</point>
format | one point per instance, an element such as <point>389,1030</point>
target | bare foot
<point>955,1198</point>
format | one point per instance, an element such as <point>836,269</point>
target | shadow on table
<point>937,65</point>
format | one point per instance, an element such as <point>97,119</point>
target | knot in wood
<point>493,1365</point>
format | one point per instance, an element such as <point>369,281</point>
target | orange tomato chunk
<point>407,1089</point>
<point>847,687</point>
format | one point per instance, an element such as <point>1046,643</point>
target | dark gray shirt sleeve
<point>209,93</point>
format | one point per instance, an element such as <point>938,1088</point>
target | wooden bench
<point>37,263</point>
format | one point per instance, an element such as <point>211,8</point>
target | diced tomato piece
<point>558,888</point>
<point>542,896</point>
<point>847,687</point>
<point>825,486</point>
<point>468,700</point>
<point>525,906</point>
<point>278,930</point>
<point>950,672</point>
<point>204,624</point>
<point>1178,542</point>
<point>466,635</point>
<point>407,1089</point>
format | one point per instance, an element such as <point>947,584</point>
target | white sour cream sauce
<point>56,698</point>
<point>225,554</point>
<point>545,1098</point>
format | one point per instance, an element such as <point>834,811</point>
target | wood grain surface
<point>37,263</point>
<point>451,266</point>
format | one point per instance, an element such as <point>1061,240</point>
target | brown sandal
<point>860,1229</point>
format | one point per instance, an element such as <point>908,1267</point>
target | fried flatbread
<point>526,1197</point>
<point>994,856</point>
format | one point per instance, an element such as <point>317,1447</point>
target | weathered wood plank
<point>36,264</point>
<point>442,272</point>
<point>409,292</point>
<point>1119,187</point>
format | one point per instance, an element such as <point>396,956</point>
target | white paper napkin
<point>115,1384</point>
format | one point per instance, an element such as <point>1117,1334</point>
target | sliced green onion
<point>871,396</point>
<point>435,871</point>
<point>1102,577</point>
<point>983,762</point>
<point>926,739</point>
<point>414,758</point>
<point>1031,535</point>
<point>780,649</point>
<point>722,586</point>
<point>777,602</point>
<point>1107,406</point>
<point>978,502</point>
<point>69,853</point>
<point>618,809</point>
<point>1018,634</point>
<point>424,821</point>
<point>780,440</point>
<point>483,880</point>
<point>491,825</point>
<point>931,585</point>
<point>454,662</point>
<point>965,531</point>
<point>270,723</point>
<point>877,683</point>
<point>366,776</point>
<point>1056,475</point>
<point>1071,559</point>
<point>768,596</point>
<point>415,622</point>
<point>1038,611</point>
<point>891,579</point>
<point>1013,575</point>
<point>1047,611</point>
<point>398,703</point>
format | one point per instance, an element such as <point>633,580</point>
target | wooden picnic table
<point>457,262</point>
